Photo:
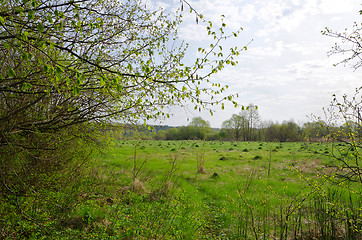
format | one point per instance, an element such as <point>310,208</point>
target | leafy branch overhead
<point>350,44</point>
<point>68,65</point>
<point>89,60</point>
<point>348,110</point>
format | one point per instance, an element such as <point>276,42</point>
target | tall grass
<point>283,193</point>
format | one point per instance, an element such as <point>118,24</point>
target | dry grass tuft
<point>138,186</point>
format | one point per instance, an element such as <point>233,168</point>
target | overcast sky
<point>286,70</point>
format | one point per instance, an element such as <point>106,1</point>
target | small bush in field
<point>257,157</point>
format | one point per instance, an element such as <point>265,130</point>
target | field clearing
<point>219,190</point>
<point>225,163</point>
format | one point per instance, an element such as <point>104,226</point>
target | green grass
<point>153,190</point>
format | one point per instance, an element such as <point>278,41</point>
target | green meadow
<point>144,189</point>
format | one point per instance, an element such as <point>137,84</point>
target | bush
<point>41,179</point>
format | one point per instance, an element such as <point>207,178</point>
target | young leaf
<point>76,90</point>
<point>31,14</point>
<point>40,27</point>
<point>11,72</point>
<point>24,56</point>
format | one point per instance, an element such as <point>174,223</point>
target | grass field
<point>216,190</point>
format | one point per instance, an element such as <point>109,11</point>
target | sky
<point>286,70</point>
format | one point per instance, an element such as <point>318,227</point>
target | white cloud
<point>248,13</point>
<point>337,6</point>
<point>193,32</point>
<point>285,71</point>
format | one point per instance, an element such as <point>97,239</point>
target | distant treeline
<point>199,129</point>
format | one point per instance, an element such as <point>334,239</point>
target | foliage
<point>88,60</point>
<point>315,130</point>
<point>199,122</point>
<point>287,131</point>
<point>234,126</point>
<point>241,126</point>
<point>347,111</point>
<point>349,44</point>
<point>41,180</point>
<point>233,199</point>
<point>347,150</point>
<point>197,129</point>
<point>68,66</point>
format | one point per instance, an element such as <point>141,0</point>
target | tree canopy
<point>241,126</point>
<point>87,60</point>
<point>68,65</point>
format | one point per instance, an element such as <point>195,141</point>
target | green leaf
<point>40,27</point>
<point>58,75</point>
<point>76,90</point>
<point>25,86</point>
<point>2,20</point>
<point>34,3</point>
<point>11,73</point>
<point>59,70</point>
<point>24,56</point>
<point>46,68</point>
<point>31,14</point>
<point>67,81</point>
<point>102,81</point>
<point>18,10</point>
